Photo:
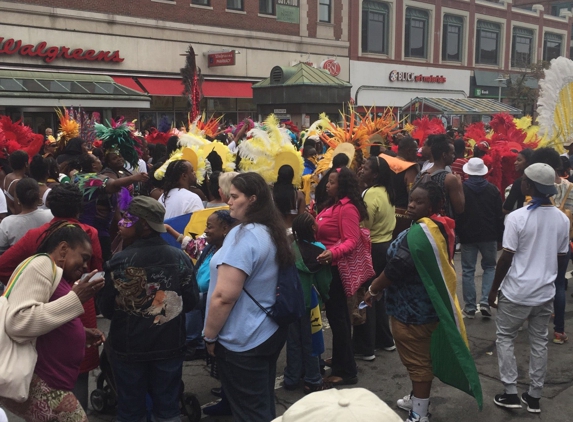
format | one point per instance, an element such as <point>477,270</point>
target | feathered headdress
<point>202,127</point>
<point>15,136</point>
<point>425,127</point>
<point>555,103</point>
<point>69,128</point>
<point>116,138</point>
<point>157,137</point>
<point>194,154</point>
<point>267,148</point>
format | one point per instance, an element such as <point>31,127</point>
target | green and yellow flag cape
<point>451,359</point>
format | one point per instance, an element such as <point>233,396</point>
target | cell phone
<point>99,274</point>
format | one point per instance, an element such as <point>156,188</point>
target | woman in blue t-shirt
<point>245,341</point>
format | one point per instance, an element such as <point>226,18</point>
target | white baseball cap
<point>347,405</point>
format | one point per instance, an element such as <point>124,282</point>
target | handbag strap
<point>562,206</point>
<point>20,269</point>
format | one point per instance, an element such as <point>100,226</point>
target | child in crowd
<point>305,342</point>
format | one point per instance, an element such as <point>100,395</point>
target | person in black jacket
<point>149,286</point>
<point>480,229</point>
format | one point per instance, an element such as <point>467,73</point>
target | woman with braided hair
<point>177,198</point>
<point>53,276</point>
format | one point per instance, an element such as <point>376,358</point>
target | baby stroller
<point>104,398</point>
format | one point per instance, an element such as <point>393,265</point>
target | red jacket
<point>339,228</point>
<point>27,247</point>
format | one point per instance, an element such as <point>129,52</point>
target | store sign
<point>221,59</point>
<point>480,92</point>
<point>279,111</point>
<point>332,66</point>
<point>295,62</point>
<point>396,76</point>
<point>11,46</point>
<point>288,11</point>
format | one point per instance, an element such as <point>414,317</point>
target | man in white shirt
<point>535,244</point>
<point>177,198</point>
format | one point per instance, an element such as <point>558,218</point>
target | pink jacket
<point>339,228</point>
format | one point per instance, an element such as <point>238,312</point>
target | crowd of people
<point>86,228</point>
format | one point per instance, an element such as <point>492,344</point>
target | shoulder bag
<point>356,267</point>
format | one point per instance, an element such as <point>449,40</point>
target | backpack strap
<point>562,206</point>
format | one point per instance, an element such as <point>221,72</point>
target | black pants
<point>375,332</point>
<point>343,363</point>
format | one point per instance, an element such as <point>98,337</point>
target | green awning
<point>23,88</point>
<point>463,106</point>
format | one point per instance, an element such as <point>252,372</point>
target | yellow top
<point>381,214</point>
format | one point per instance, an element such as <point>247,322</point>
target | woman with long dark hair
<point>243,338</point>
<point>288,199</point>
<point>376,176</point>
<point>339,231</point>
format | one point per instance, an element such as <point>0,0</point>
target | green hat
<point>150,210</point>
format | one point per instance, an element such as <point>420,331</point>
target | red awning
<point>211,89</point>
<point>162,86</point>
<point>128,82</point>
<point>227,89</point>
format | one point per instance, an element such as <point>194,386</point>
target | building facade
<point>141,45</point>
<point>402,49</point>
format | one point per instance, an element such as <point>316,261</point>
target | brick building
<point>402,49</point>
<point>123,57</point>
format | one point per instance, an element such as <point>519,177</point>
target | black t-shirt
<point>515,199</point>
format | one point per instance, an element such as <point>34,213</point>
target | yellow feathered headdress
<point>267,148</point>
<point>194,154</point>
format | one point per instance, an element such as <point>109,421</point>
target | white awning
<point>382,96</point>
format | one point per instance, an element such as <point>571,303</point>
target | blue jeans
<point>248,378</point>
<point>488,251</point>
<point>559,301</point>
<point>160,378</point>
<point>299,354</point>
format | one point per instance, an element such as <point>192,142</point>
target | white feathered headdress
<point>555,103</point>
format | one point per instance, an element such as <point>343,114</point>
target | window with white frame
<point>201,2</point>
<point>551,46</point>
<point>488,42</point>
<point>325,11</point>
<point>375,27</point>
<point>267,7</point>
<point>235,4</point>
<point>416,40</point>
<point>452,38</point>
<point>521,47</point>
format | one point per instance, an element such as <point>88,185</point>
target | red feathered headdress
<point>425,127</point>
<point>157,137</point>
<point>15,136</point>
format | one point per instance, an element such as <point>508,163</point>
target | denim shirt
<point>148,289</point>
<point>406,298</point>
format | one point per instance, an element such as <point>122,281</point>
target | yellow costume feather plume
<point>198,159</point>
<point>267,148</point>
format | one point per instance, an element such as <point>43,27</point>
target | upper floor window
<point>452,38</point>
<point>551,46</point>
<point>267,7</point>
<point>521,47</point>
<point>324,11</point>
<point>375,30</point>
<point>416,42</point>
<point>235,4</point>
<point>201,2</point>
<point>487,42</point>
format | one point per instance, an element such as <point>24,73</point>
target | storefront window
<point>375,27</point>
<point>521,47</point>
<point>416,33</point>
<point>246,104</point>
<point>452,38</point>
<point>551,46</point>
<point>487,49</point>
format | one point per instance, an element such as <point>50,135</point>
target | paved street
<point>388,379</point>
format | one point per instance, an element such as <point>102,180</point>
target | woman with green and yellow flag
<point>426,319</point>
